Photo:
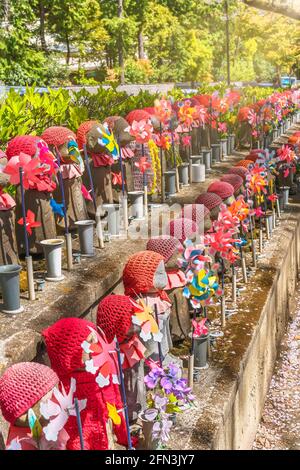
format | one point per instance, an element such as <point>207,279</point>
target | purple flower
<point>160,402</point>
<point>166,384</point>
<point>174,370</point>
<point>161,430</point>
<point>151,414</point>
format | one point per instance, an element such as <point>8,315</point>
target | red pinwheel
<point>163,110</point>
<point>86,193</point>
<point>30,222</point>
<point>143,164</point>
<point>116,179</point>
<point>186,140</point>
<point>103,359</point>
<point>141,131</point>
<point>34,176</point>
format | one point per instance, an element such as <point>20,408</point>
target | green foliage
<point>161,41</point>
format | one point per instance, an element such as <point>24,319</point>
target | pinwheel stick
<point>158,343</point>
<point>175,162</point>
<point>243,260</point>
<point>233,284</point>
<point>145,185</point>
<point>97,215</point>
<point>79,424</point>
<point>163,192</point>
<point>123,394</point>
<point>29,265</point>
<point>67,234</point>
<point>223,304</point>
<point>191,356</point>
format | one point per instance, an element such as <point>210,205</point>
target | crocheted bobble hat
<point>114,316</point>
<point>222,189</point>
<point>58,135</point>
<point>137,115</point>
<point>139,271</point>
<point>83,130</point>
<point>244,163</point>
<point>238,170</point>
<point>209,200</point>
<point>194,212</point>
<point>63,341</point>
<point>182,228</point>
<point>22,386</point>
<point>235,181</point>
<point>166,246</point>
<point>22,144</point>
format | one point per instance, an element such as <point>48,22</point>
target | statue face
<point>207,223</point>
<point>160,277</point>
<point>92,143</point>
<point>23,420</point>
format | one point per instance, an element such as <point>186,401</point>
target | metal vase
<point>113,218</point>
<point>149,442</point>
<point>136,199</point>
<point>198,173</point>
<point>183,170</point>
<point>170,178</point>
<point>207,159</point>
<point>216,152</point>
<point>224,149</point>
<point>200,351</point>
<point>86,237</point>
<point>10,288</point>
<point>196,159</point>
<point>231,139</point>
<point>285,195</point>
<point>53,255</point>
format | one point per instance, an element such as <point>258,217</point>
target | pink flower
<point>142,164</point>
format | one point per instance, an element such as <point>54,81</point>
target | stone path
<point>280,424</point>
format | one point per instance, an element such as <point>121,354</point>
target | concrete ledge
<point>232,391</point>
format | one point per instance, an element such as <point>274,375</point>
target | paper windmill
<point>163,110</point>
<point>141,130</point>
<point>58,409</point>
<point>143,164</point>
<point>133,351</point>
<point>30,222</point>
<point>103,359</point>
<point>240,209</point>
<point>199,328</point>
<point>33,172</point>
<point>86,193</point>
<point>202,288</point>
<point>143,317</point>
<point>108,141</point>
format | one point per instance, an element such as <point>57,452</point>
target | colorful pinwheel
<point>163,110</point>
<point>30,222</point>
<point>143,165</point>
<point>116,179</point>
<point>141,130</point>
<point>144,317</point>
<point>199,328</point>
<point>103,359</point>
<point>86,193</point>
<point>107,140</point>
<point>58,409</point>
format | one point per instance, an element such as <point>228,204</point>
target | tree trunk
<point>42,25</point>
<point>289,8</point>
<point>141,43</point>
<point>120,44</point>
<point>68,49</point>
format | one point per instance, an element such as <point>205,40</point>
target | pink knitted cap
<point>194,212</point>
<point>238,170</point>
<point>222,189</point>
<point>164,245</point>
<point>182,229</point>
<point>210,200</point>
<point>22,386</point>
<point>235,180</point>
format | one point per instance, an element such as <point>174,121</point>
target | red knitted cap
<point>238,170</point>
<point>82,131</point>
<point>139,271</point>
<point>22,386</point>
<point>63,341</point>
<point>253,157</point>
<point>114,316</point>
<point>137,115</point>
<point>22,144</point>
<point>182,228</point>
<point>235,180</point>
<point>244,163</point>
<point>58,135</point>
<point>210,200</point>
<point>194,212</point>
<point>166,246</point>
<point>222,189</point>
